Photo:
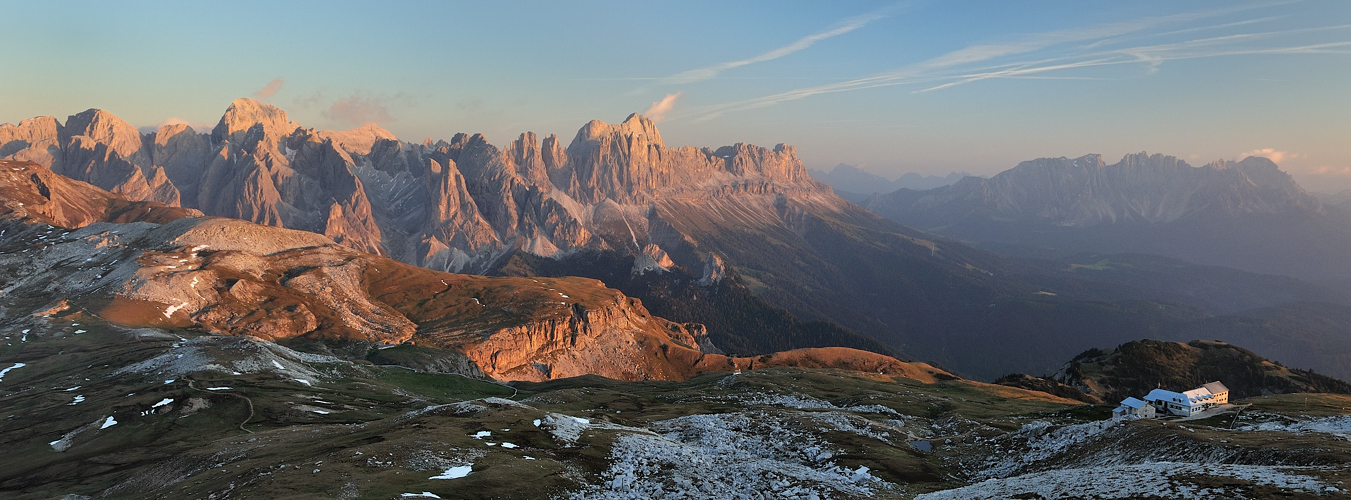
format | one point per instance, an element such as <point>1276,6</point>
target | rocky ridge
<point>444,205</point>
<point>231,277</point>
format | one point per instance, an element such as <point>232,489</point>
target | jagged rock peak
<point>636,126</point>
<point>1144,159</point>
<point>105,128</point>
<point>169,131</point>
<point>245,113</point>
<point>714,270</point>
<point>359,140</point>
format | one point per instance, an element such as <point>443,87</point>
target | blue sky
<point>896,87</point>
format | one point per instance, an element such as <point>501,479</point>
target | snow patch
<point>169,311</point>
<point>455,472</point>
<point>16,365</point>
<point>163,402</point>
<point>108,423</point>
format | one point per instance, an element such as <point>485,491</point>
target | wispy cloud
<point>657,112</point>
<point>358,110</point>
<point>268,90</point>
<point>1061,51</point>
<point>1328,170</point>
<point>707,72</point>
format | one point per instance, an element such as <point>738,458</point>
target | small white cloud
<point>268,90</point>
<point>1276,156</point>
<point>174,120</point>
<point>657,112</point>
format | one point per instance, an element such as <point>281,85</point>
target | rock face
<point>444,205</point>
<point>1246,214</point>
<point>32,192</point>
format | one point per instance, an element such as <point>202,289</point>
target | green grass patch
<point>439,385</point>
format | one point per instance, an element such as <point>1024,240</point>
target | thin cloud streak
<point>708,72</point>
<point>925,71</point>
<point>948,68</point>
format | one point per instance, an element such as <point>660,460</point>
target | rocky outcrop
<point>35,139</point>
<point>30,191</point>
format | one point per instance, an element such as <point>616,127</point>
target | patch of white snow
<point>455,472</point>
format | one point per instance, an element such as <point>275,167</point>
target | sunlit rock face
<point>445,205</point>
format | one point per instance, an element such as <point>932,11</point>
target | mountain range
<point>739,239</point>
<point>1247,215</point>
<point>856,185</point>
<point>71,250</point>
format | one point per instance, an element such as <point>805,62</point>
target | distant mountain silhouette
<point>1247,214</point>
<point>855,184</point>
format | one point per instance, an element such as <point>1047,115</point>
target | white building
<point>1220,392</point>
<point>1131,407</point>
<point>1188,403</point>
